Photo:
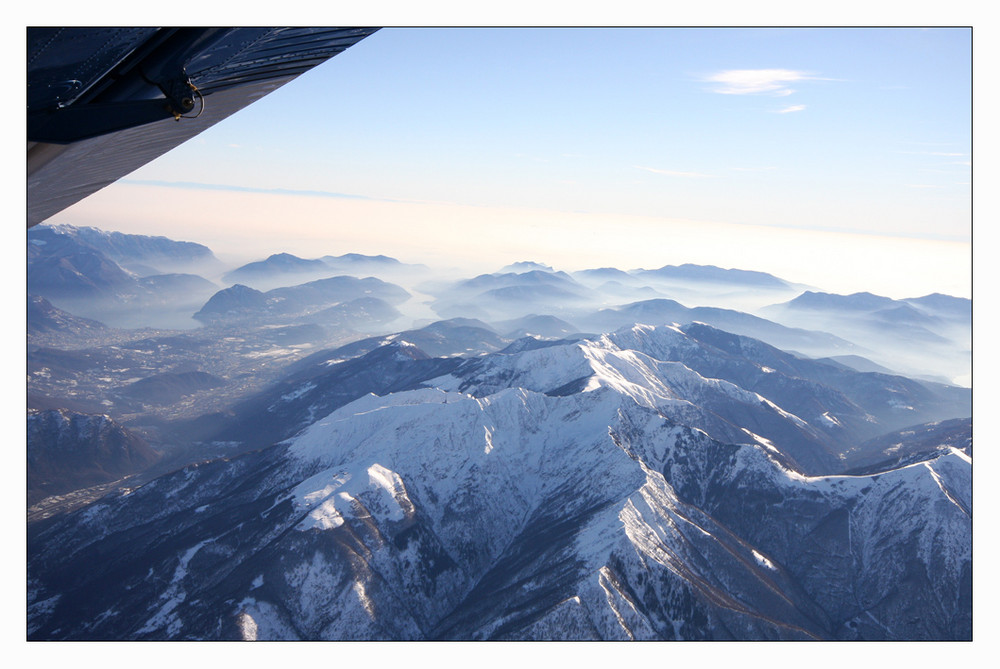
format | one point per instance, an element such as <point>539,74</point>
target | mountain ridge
<point>457,546</point>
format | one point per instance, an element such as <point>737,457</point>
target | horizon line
<point>194,185</point>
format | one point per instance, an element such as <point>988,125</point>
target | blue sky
<point>758,134</point>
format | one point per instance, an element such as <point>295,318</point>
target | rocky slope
<point>67,451</point>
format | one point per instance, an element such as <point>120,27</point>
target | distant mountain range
<point>683,273</point>
<point>603,274</point>
<point>504,296</point>
<point>524,266</point>
<point>285,269</point>
<point>242,302</point>
<point>929,336</point>
<point>930,310</point>
<point>572,296</point>
<point>277,264</point>
<point>669,311</point>
<point>712,274</point>
<point>142,254</point>
<point>110,277</point>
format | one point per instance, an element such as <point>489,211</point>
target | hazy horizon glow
<point>438,234</point>
<point>838,158</point>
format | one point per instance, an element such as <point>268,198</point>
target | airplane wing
<point>102,102</point>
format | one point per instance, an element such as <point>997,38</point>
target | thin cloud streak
<point>791,108</point>
<point>674,173</point>
<point>191,185</point>
<point>946,154</point>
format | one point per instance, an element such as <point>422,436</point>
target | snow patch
<point>248,626</point>
<point>766,443</point>
<point>944,489</point>
<point>784,414</point>
<point>181,571</point>
<point>270,353</point>
<point>960,454</point>
<point>323,514</point>
<point>763,561</point>
<point>332,494</point>
<point>362,593</point>
<point>297,393</point>
<point>831,419</point>
<point>172,597</point>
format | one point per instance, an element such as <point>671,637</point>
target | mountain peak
<point>523,266</point>
<point>713,274</point>
<point>862,301</point>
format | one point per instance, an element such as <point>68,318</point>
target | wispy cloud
<point>192,185</point>
<point>790,108</point>
<point>946,154</point>
<point>757,82</point>
<point>674,173</point>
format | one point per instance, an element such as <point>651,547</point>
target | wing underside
<point>102,102</point>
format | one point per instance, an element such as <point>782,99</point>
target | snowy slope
<point>549,493</point>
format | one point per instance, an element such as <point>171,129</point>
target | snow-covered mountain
<point>721,383</point>
<point>645,484</point>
